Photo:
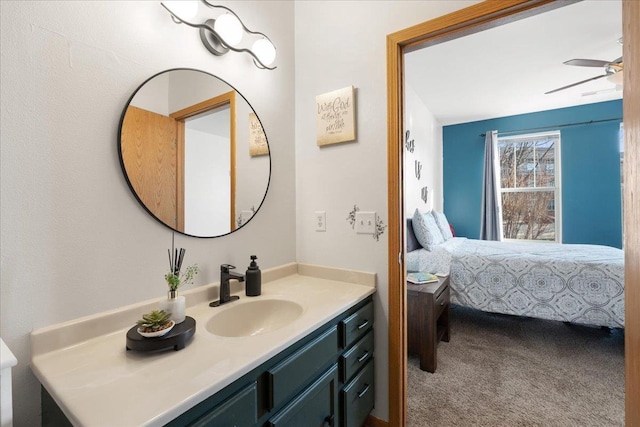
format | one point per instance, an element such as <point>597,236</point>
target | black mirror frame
<point>126,176</point>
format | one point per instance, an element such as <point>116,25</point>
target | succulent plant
<point>154,321</point>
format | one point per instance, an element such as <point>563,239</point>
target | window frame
<point>556,188</point>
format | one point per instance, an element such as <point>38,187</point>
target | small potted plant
<point>155,324</point>
<point>175,278</point>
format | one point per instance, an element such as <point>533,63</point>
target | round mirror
<point>194,153</point>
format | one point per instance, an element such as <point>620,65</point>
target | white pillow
<point>426,230</point>
<point>443,224</point>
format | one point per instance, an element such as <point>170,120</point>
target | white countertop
<point>96,382</point>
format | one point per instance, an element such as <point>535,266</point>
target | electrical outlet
<point>321,221</point>
<point>365,222</point>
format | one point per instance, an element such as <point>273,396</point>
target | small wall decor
<point>245,216</point>
<point>257,139</point>
<point>418,168</point>
<point>335,116</point>
<point>409,145</point>
<point>352,216</point>
<point>379,229</point>
<point>425,194</point>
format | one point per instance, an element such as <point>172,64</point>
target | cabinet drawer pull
<point>363,357</point>
<point>441,303</point>
<point>329,420</point>
<point>364,391</point>
<point>363,324</point>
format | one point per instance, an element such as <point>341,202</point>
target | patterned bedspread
<point>573,283</point>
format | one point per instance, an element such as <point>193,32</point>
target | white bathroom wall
<point>74,241</point>
<point>426,134</point>
<point>338,44</point>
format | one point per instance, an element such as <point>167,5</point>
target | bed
<point>572,283</point>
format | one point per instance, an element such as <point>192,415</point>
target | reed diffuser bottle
<point>177,304</point>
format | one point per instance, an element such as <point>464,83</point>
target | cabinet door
<point>316,406</point>
<point>293,373</point>
<point>239,411</point>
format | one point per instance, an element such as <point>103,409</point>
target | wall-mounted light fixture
<point>225,32</point>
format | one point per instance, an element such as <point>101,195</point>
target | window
<point>530,186</point>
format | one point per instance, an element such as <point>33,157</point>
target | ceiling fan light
<point>616,78</point>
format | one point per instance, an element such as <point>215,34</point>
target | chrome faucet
<point>225,291</point>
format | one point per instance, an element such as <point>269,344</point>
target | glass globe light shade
<point>265,51</point>
<point>616,78</point>
<point>183,9</point>
<point>229,28</point>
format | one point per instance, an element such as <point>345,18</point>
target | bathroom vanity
<point>304,356</point>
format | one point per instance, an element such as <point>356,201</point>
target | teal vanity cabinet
<point>324,379</point>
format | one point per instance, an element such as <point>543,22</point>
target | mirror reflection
<point>194,153</point>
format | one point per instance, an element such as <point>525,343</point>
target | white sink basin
<point>253,317</point>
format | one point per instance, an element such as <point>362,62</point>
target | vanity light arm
<point>213,6</point>
<point>219,39</point>
<point>178,20</point>
<point>257,61</point>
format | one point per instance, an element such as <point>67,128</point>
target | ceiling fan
<point>611,70</point>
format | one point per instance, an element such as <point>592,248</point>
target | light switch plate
<point>321,221</point>
<point>365,222</point>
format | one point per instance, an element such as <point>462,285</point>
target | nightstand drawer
<point>441,301</point>
<point>357,397</point>
<point>356,325</point>
<point>356,357</point>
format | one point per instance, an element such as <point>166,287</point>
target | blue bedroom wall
<point>590,156</point>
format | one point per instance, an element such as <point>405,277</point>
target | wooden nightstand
<point>427,320</point>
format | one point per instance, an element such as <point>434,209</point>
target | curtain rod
<point>559,126</point>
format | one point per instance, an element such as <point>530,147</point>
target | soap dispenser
<point>253,279</point>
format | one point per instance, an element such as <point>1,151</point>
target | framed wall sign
<point>336,116</point>
<point>257,139</point>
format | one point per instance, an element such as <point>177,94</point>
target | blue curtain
<point>491,215</point>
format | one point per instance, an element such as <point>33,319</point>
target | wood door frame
<point>478,17</point>
<point>228,98</point>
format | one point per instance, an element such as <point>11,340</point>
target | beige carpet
<point>500,370</point>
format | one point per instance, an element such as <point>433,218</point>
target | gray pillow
<point>443,224</point>
<point>426,230</point>
<point>412,242</point>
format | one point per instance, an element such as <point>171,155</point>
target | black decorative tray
<point>176,338</point>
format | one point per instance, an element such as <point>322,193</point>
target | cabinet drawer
<point>239,410</point>
<point>357,398</point>
<point>356,357</point>
<point>293,373</point>
<point>356,325</point>
<point>316,406</point>
<point>441,301</point>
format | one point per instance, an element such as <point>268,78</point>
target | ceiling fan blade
<point>575,84</point>
<point>586,62</point>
